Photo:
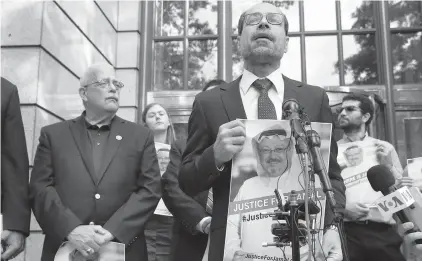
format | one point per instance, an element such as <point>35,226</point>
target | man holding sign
<point>215,134</point>
<point>370,235</point>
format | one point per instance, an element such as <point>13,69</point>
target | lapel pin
<point>118,137</point>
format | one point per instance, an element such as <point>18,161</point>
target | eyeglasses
<point>267,151</point>
<point>103,83</point>
<point>255,18</point>
<point>348,109</point>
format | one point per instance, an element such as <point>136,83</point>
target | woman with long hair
<point>159,228</point>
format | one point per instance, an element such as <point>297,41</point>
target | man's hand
<point>405,182</point>
<point>409,246</point>
<point>383,154</point>
<point>356,211</point>
<point>86,239</point>
<point>104,236</point>
<point>331,246</point>
<point>230,139</point>
<point>206,226</point>
<point>15,244</point>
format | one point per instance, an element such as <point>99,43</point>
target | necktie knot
<point>262,85</point>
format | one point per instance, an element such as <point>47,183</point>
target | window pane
<point>289,8</point>
<point>168,64</point>
<point>202,17</point>
<point>407,57</point>
<point>357,14</point>
<point>237,66</point>
<point>405,13</point>
<point>202,63</point>
<point>320,15</point>
<point>321,59</point>
<point>401,133</point>
<point>290,63</point>
<point>360,59</point>
<point>168,18</point>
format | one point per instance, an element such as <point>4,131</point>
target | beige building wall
<point>45,48</point>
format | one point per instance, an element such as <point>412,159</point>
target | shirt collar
<point>275,77</point>
<point>94,126</point>
<point>347,139</point>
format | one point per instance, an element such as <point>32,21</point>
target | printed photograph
<point>268,161</point>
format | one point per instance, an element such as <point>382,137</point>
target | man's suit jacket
<point>14,162</point>
<point>198,172</point>
<point>187,243</point>
<point>66,192</point>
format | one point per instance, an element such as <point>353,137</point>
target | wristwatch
<point>333,227</point>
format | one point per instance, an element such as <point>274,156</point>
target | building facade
<point>165,51</point>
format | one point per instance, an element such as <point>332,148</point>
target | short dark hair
<point>242,22</point>
<point>214,82</point>
<point>365,104</point>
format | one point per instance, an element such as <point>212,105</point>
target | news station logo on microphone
<point>396,201</point>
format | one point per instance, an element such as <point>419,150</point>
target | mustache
<point>274,160</point>
<point>266,34</point>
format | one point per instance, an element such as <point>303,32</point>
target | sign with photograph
<point>267,162</point>
<point>355,159</point>
<point>163,156</point>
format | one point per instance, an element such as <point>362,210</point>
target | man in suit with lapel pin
<point>95,178</point>
<point>214,134</point>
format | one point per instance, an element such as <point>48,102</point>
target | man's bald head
<point>254,7</point>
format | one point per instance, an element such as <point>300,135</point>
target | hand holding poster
<point>267,162</point>
<point>355,159</point>
<point>163,151</point>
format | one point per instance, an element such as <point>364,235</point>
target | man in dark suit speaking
<point>215,135</point>
<point>95,178</point>
<point>14,173</point>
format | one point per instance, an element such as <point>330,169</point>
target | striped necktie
<point>210,203</point>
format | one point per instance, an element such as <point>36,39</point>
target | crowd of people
<point>99,178</point>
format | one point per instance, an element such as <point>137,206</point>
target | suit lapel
<point>80,135</point>
<point>290,89</point>
<point>232,101</point>
<point>114,140</point>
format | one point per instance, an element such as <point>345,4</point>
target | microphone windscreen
<point>380,178</point>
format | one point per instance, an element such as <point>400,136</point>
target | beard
<point>261,53</point>
<point>351,127</point>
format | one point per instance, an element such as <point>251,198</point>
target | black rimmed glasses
<point>256,18</point>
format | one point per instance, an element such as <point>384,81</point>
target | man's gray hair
<point>91,73</point>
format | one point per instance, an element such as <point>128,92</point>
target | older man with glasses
<point>96,178</point>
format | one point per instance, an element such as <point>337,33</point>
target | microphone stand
<point>314,144</point>
<point>294,205</point>
<point>302,152</point>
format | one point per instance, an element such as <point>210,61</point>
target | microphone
<point>292,111</point>
<point>404,203</point>
<point>314,143</point>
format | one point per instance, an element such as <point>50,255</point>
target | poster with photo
<point>267,162</point>
<point>355,159</point>
<point>414,170</point>
<point>163,156</point>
